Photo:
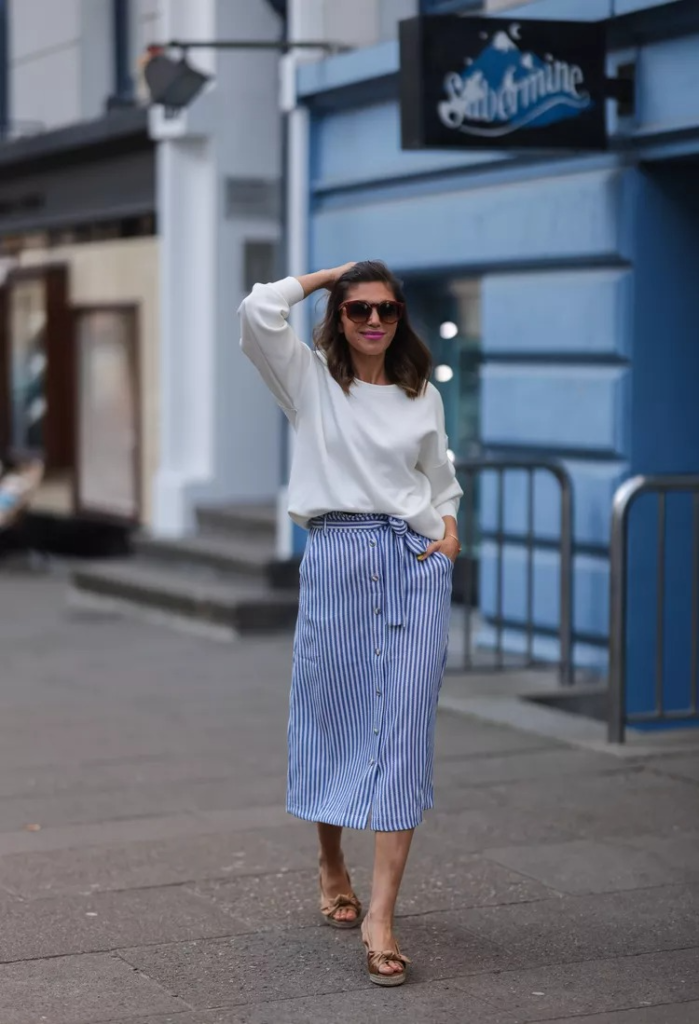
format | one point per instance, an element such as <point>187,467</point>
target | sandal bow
<point>378,958</point>
<point>330,906</point>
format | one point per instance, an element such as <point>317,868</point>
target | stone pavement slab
<point>77,808</point>
<point>590,986</point>
<point>682,1013</point>
<point>583,927</point>
<point>588,866</point>
<point>312,961</point>
<point>617,804</point>
<point>84,924</point>
<point>679,852</point>
<point>458,736</point>
<point>78,990</point>
<point>476,829</point>
<point>678,767</point>
<point>155,764</point>
<point>290,900</point>
<point>518,766</point>
<point>178,858</point>
<point>116,775</point>
<point>65,837</point>
<point>430,1003</point>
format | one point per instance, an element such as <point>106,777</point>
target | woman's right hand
<point>323,278</point>
<point>336,273</point>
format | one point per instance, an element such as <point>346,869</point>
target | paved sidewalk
<point>149,873</point>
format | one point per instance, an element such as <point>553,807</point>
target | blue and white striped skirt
<point>369,655</point>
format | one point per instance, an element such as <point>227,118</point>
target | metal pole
<point>501,567</point>
<point>468,582</point>
<point>660,607</point>
<point>694,625</point>
<point>282,45</point>
<point>617,607</point>
<point>530,567</point>
<point>566,595</point>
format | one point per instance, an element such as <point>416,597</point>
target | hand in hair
<point>323,278</point>
<point>336,273</point>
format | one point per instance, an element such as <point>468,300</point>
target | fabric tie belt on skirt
<point>404,542</point>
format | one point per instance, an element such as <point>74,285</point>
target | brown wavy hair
<point>408,359</point>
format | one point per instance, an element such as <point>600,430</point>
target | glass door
<point>447,315</point>
<point>108,434</point>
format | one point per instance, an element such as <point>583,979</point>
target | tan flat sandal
<point>329,907</point>
<point>377,958</point>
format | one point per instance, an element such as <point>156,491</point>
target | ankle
<point>331,863</point>
<point>379,919</point>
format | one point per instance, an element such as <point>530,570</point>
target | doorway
<point>447,315</point>
<point>108,436</point>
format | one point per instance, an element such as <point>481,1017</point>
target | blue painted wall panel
<point>668,84</point>
<point>576,10</point>
<point>560,313</point>
<point>644,640</point>
<point>556,407</point>
<point>362,145</point>
<point>665,422</point>
<point>631,6</point>
<point>594,485</point>
<point>568,217</point>
<point>347,68</point>
<point>590,589</point>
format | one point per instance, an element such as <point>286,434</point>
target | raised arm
<point>269,342</point>
<point>267,339</point>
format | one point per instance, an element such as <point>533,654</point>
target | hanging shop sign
<point>492,83</point>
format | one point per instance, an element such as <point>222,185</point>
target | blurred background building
<point>557,290</point>
<point>80,253</point>
<point>127,245</point>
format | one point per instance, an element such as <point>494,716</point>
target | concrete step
<point>222,555</point>
<point>239,607</point>
<point>238,520</point>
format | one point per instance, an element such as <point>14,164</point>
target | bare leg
<point>332,868</point>
<point>390,858</point>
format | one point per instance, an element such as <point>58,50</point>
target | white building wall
<point>360,23</point>
<point>220,431</point>
<point>391,12</point>
<point>61,60</point>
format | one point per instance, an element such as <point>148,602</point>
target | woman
<point>372,480</point>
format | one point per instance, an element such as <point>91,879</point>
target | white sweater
<point>374,450</point>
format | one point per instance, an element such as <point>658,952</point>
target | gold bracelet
<point>453,537</point>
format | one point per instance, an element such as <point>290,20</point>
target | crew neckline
<point>376,387</point>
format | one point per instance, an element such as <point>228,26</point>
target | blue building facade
<point>558,292</point>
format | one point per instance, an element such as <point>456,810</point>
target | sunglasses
<point>359,312</point>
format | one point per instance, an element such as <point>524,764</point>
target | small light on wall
<point>448,330</point>
<point>450,455</point>
<point>443,373</point>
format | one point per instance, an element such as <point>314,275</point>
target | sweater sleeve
<point>438,467</point>
<point>269,342</point>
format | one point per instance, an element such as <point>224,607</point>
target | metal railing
<point>624,499</point>
<point>468,470</point>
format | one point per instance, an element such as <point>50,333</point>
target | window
<point>450,6</point>
<point>260,263</point>
<point>123,82</point>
